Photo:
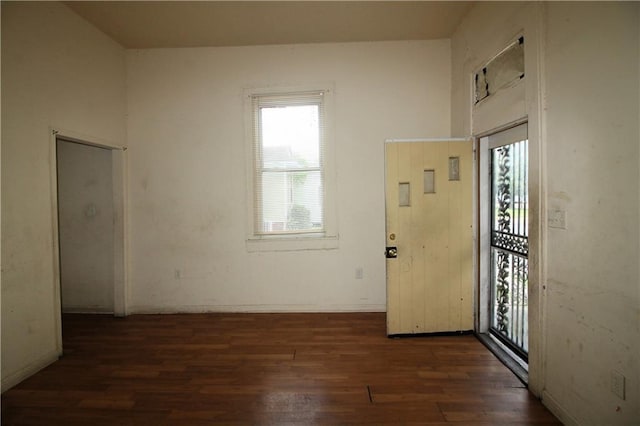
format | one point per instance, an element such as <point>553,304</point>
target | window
<point>289,165</point>
<point>502,70</point>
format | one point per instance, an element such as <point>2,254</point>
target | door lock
<point>391,252</point>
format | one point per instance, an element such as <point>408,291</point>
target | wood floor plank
<point>267,369</point>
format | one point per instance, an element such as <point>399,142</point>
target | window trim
<point>328,237</point>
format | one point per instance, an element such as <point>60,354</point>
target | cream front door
<point>429,229</point>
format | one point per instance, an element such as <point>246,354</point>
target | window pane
<point>290,137</point>
<point>404,194</point>
<point>506,67</point>
<point>500,71</point>
<point>429,181</point>
<point>292,201</point>
<point>454,168</point>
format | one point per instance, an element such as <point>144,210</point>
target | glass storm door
<point>509,246</point>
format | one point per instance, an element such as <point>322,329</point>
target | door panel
<point>429,284</point>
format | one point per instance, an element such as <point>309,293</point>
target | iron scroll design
<point>503,224</point>
<point>502,292</point>
<point>510,246</point>
<point>503,189</point>
<point>516,243</point>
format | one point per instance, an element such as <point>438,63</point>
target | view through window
<point>289,166</point>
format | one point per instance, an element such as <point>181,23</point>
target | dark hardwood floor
<point>266,369</point>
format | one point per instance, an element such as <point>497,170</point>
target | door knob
<point>391,252</point>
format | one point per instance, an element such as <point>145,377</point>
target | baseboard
<point>192,309</point>
<point>430,334</point>
<point>552,404</point>
<point>81,310</point>
<point>29,370</point>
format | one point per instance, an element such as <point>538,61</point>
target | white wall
<point>57,70</point>
<point>86,219</point>
<point>590,166</point>
<point>188,181</point>
<point>485,32</point>
<point>593,302</point>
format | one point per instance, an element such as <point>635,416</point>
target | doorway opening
<point>504,246</point>
<point>85,227</point>
<point>89,238</point>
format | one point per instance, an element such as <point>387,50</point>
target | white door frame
<point>120,208</point>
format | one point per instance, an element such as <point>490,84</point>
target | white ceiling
<point>153,24</point>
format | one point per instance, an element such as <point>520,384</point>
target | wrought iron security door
<point>510,246</point>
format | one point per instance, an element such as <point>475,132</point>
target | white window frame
<point>322,240</point>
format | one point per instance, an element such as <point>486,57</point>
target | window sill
<point>291,243</point>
